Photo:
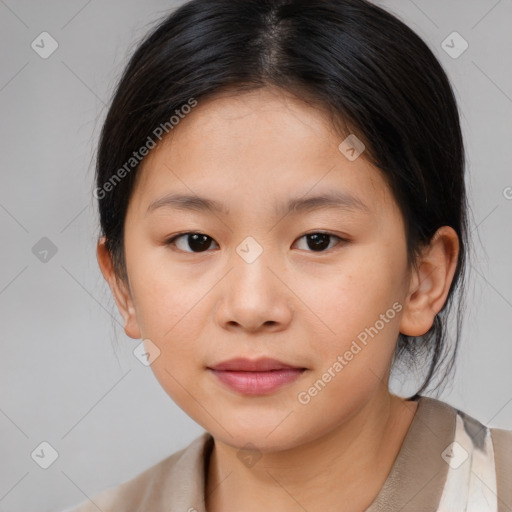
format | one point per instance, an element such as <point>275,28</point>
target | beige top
<point>448,462</point>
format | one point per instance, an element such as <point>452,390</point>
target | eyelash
<point>172,241</point>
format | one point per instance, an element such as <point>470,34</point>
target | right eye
<point>198,242</point>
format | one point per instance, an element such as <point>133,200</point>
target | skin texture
<point>252,152</point>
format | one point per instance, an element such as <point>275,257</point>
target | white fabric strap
<point>471,479</point>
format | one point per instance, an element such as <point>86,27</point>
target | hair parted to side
<point>363,66</point>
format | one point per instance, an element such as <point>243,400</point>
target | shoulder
<point>479,460</point>
<point>436,410</point>
<point>468,430</point>
<point>155,488</point>
<point>475,430</point>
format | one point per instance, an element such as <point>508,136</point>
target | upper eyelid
<point>172,239</point>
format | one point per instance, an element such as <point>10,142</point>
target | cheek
<point>165,297</point>
<point>172,315</point>
<point>360,303</point>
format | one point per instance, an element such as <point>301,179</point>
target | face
<point>318,286</point>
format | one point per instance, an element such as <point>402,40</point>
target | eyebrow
<point>332,199</point>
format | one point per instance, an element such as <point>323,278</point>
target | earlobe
<point>119,289</point>
<point>430,282</point>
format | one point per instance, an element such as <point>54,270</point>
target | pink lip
<point>242,364</point>
<point>255,377</point>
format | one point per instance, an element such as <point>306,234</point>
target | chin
<point>262,439</point>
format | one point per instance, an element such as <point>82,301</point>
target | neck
<point>348,465</point>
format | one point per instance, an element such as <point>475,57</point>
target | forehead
<point>257,146</point>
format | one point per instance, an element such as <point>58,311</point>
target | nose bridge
<point>253,296</point>
<point>250,261</point>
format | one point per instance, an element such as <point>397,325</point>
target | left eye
<point>319,241</point>
<point>199,242</point>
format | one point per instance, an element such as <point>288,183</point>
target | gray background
<point>61,379</point>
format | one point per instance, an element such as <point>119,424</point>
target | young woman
<point>283,212</point>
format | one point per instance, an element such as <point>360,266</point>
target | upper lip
<point>243,364</point>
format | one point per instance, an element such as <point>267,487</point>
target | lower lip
<point>257,383</point>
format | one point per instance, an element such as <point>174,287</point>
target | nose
<point>255,296</point>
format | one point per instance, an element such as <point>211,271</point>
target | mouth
<point>255,377</point>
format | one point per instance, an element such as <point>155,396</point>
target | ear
<point>430,282</point>
<point>119,289</point>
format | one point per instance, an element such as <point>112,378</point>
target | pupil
<point>320,240</point>
<point>199,242</point>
